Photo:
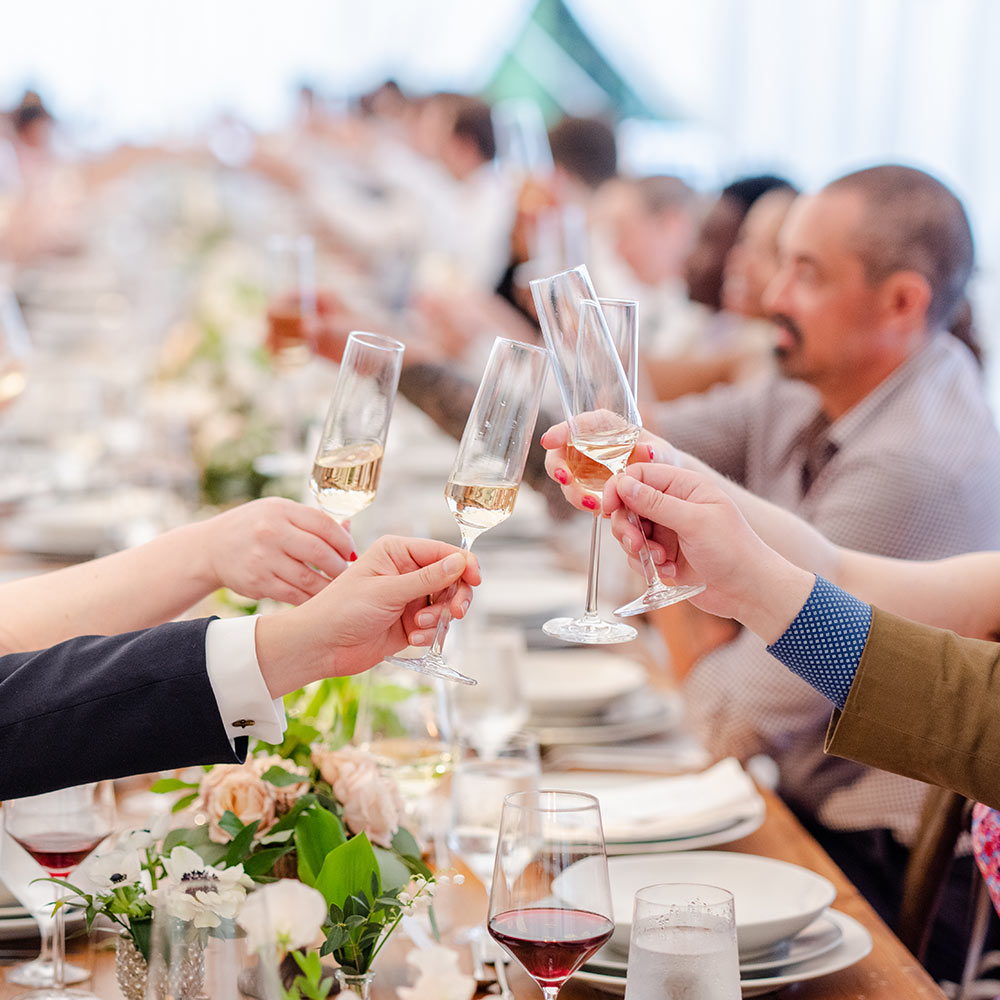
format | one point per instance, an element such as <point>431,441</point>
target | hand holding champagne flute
<point>484,480</point>
<point>348,461</point>
<point>600,408</point>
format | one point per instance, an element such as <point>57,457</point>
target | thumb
<point>656,506</point>
<point>429,579</point>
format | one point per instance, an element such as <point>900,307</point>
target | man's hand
<point>697,535</point>
<point>375,608</point>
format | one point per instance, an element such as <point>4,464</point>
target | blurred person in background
<point>877,432</point>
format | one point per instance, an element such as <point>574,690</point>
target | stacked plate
<point>785,929</point>
<point>591,696</point>
<point>642,815</point>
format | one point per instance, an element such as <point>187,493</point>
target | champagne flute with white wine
<point>484,480</point>
<point>604,421</point>
<point>348,462</point>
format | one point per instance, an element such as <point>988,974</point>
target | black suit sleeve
<point>99,707</point>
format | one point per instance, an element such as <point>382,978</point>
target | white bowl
<point>574,683</point>
<point>774,900</point>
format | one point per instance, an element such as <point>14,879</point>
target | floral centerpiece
<point>330,819</point>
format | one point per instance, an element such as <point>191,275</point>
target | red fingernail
<point>589,502</point>
<point>561,476</point>
<point>652,454</point>
<point>353,556</point>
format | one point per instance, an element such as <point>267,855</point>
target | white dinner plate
<point>532,596</point>
<point>645,809</point>
<point>854,945</point>
<point>649,715</point>
<point>699,842</point>
<point>17,923</point>
<point>577,683</point>
<point>774,900</point>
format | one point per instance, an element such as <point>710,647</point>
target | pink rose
<point>371,801</point>
<point>238,789</point>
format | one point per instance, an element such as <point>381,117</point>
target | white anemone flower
<point>201,894</point>
<point>116,868</point>
<point>284,915</point>
<point>142,840</point>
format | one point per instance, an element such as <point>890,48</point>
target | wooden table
<point>890,972</point>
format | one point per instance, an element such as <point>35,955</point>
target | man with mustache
<point>877,431</point>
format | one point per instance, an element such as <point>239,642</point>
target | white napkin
<point>635,809</point>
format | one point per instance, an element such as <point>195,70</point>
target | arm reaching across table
<point>106,706</point>
<point>910,698</point>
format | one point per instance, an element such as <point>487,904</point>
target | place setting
<point>785,930</point>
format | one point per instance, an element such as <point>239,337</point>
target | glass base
<point>592,631</point>
<point>432,665</point>
<point>658,597</point>
<point>39,973</point>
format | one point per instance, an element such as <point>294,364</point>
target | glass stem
<point>594,568</point>
<point>59,948</point>
<point>653,581</point>
<point>550,992</point>
<point>443,622</point>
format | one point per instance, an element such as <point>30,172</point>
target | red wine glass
<point>59,829</point>
<point>550,900</point>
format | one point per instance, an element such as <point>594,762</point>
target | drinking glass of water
<point>683,944</point>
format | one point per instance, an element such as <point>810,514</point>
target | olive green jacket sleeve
<point>925,703</point>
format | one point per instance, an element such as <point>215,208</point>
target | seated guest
<point>192,692</point>
<point>876,431</point>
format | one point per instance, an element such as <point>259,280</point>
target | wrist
<point>779,590</point>
<point>287,657</point>
<point>195,541</point>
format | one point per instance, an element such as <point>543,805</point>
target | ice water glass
<point>683,944</point>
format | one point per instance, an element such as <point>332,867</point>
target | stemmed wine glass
<point>623,324</point>
<point>59,829</point>
<point>484,480</point>
<point>550,901</point>
<point>348,461</point>
<point>604,422</point>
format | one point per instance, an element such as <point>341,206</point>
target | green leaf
<point>288,821</point>
<point>141,930</point>
<point>183,802</point>
<point>241,845</point>
<point>403,842</point>
<point>165,785</point>
<point>347,871</point>
<point>277,775</point>
<point>231,823</point>
<point>263,861</point>
<point>394,874</point>
<point>317,833</point>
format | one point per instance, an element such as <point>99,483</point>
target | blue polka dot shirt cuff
<point>824,643</point>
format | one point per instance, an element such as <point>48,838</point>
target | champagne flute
<point>600,408</point>
<point>484,480</point>
<point>623,324</point>
<point>550,901</point>
<point>348,461</point>
<point>683,944</point>
<point>59,829</point>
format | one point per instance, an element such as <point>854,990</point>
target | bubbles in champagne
<point>345,479</point>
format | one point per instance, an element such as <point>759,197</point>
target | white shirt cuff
<point>245,704</point>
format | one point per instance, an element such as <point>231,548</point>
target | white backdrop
<point>809,87</point>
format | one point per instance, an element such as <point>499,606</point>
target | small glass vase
<point>359,982</point>
<point>132,973</point>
